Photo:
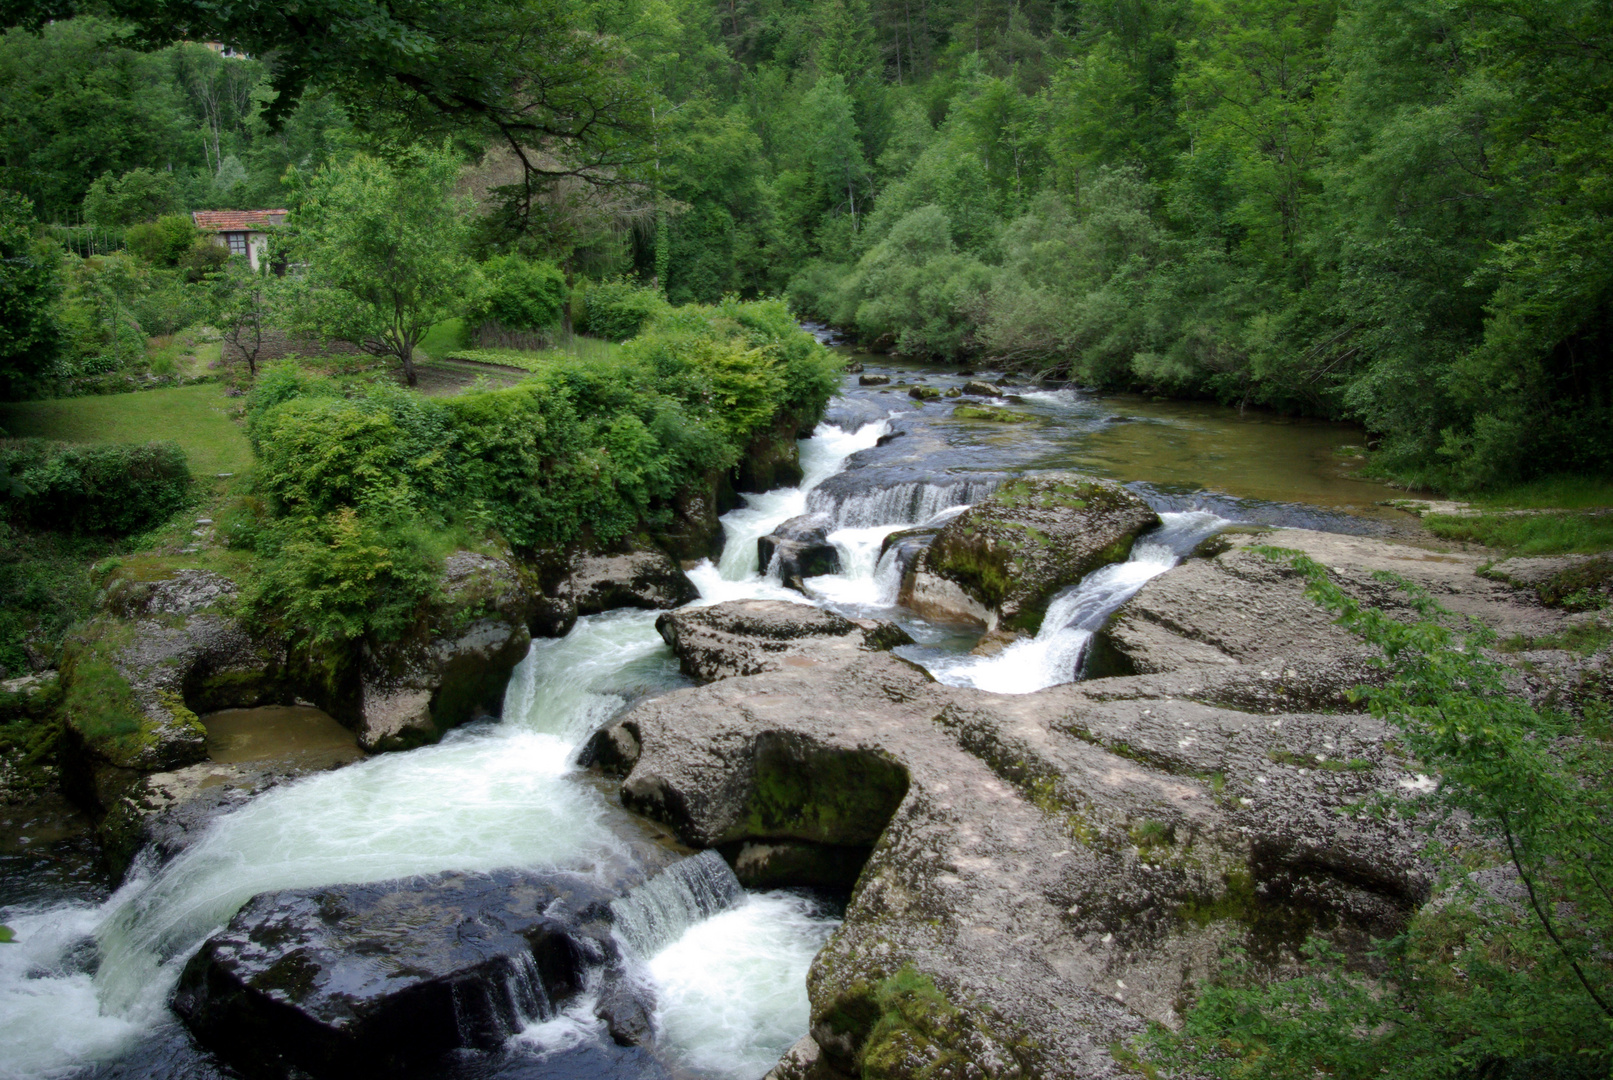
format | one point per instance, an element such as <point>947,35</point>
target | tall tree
<point>384,243</point>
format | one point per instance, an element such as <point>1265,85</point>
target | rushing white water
<point>1054,655</point>
<point>736,575</point>
<point>868,578</point>
<point>730,991</point>
<point>908,503</point>
<point>662,910</point>
<point>486,797</point>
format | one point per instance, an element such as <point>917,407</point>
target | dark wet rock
<point>873,380</point>
<point>641,579</point>
<point>802,548</point>
<point>367,979</point>
<point>772,459</point>
<point>1000,562</point>
<point>797,864</point>
<point>695,531</point>
<point>627,1012</point>
<point>1054,866</point>
<point>744,637</point>
<point>924,393</point>
<point>979,389</point>
<point>851,413</point>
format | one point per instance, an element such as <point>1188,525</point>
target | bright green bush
<point>165,242</point>
<point>103,490</point>
<point>518,294</point>
<point>618,310</point>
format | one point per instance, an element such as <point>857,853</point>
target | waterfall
<point>900,504</point>
<point>1054,655</point>
<point>661,910</point>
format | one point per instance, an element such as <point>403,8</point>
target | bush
<point>30,285</point>
<point>618,310</point>
<point>165,242</point>
<point>518,295</point>
<point>346,576</point>
<point>99,490</point>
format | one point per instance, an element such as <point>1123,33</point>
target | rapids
<point>86,986</point>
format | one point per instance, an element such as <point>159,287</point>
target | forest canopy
<point>1391,211</point>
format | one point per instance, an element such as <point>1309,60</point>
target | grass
<point>1554,492</point>
<point>197,417</point>
<point>444,338</point>
<point>1560,533</point>
<point>577,348</point>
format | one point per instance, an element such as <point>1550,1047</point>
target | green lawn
<point>1546,533</point>
<point>196,417</point>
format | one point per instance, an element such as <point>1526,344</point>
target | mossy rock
<point>148,728</point>
<point>924,393</point>
<point>991,413</point>
<point>1034,536</point>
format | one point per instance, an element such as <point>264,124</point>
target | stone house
<point>244,232</point>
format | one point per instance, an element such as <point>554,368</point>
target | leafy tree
<point>30,288</point>
<point>138,196</point>
<point>241,305</point>
<point>164,242</point>
<point>837,156</point>
<point>385,248</point>
<point>518,294</point>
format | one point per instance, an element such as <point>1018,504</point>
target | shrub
<point>30,286</point>
<point>102,490</point>
<point>346,576</point>
<point>518,295</point>
<point>165,242</point>
<point>618,310</point>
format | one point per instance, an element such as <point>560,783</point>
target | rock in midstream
<point>802,548</point>
<point>745,637</point>
<point>1000,562</point>
<point>641,579</point>
<point>1063,866</point>
<point>364,980</point>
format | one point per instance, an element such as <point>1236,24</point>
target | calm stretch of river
<point>84,991</point>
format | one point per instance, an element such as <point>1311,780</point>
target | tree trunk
<point>407,355</point>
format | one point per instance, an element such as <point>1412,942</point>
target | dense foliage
<point>360,481</point>
<point>103,490</point>
<point>1507,974</point>
<point>30,285</point>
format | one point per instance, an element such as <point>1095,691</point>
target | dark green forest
<point>1389,211</point>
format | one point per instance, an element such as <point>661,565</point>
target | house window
<point>237,242</point>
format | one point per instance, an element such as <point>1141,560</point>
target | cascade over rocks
<point>802,548</point>
<point>745,637</point>
<point>1054,870</point>
<point>369,979</point>
<point>1000,562</point>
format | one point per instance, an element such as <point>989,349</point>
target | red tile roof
<point>237,220</point>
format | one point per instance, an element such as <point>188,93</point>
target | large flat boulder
<point>1241,609</point>
<point>745,637</point>
<point>1045,873</point>
<point>1000,562</point>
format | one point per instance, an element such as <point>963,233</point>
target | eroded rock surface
<point>1001,561</point>
<point>745,637</point>
<point>1058,866</point>
<point>1047,873</point>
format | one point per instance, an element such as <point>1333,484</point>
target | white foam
<point>1053,656</point>
<point>730,991</point>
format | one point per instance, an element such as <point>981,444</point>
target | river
<point>84,990</point>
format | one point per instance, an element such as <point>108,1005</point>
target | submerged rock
<point>1000,562</point>
<point>744,637</point>
<point>976,388</point>
<point>873,380</point>
<point>802,548</point>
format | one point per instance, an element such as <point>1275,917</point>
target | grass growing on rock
<point>1559,532</point>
